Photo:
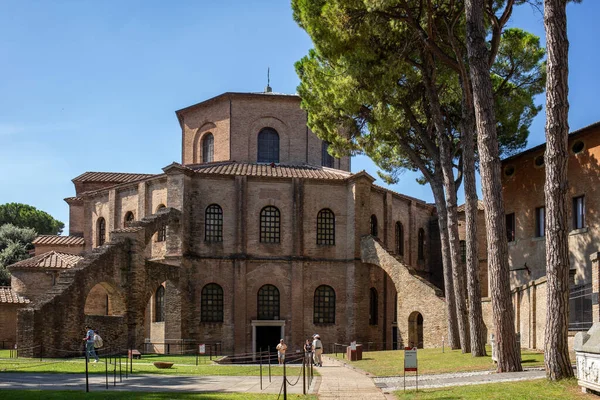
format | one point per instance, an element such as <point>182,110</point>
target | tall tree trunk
<point>471,210</point>
<point>502,308</point>
<point>556,352</point>
<point>458,273</point>
<point>437,188</point>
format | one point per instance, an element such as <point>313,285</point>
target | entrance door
<point>394,338</point>
<point>267,336</point>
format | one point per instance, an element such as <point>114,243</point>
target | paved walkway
<point>149,383</point>
<point>339,382</point>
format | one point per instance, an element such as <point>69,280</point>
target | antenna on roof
<point>268,89</point>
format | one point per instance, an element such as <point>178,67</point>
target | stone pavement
<point>340,382</point>
<point>149,383</point>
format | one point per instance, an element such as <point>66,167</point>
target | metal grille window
<point>580,307</point>
<point>129,218</point>
<point>211,303</point>
<point>268,146</point>
<point>421,245</point>
<point>268,302</point>
<point>511,226</point>
<point>327,159</point>
<point>208,148</point>
<point>399,238</point>
<point>373,299</point>
<point>161,235</point>
<point>463,251</point>
<point>324,312</point>
<point>578,212</point>
<point>213,224</point>
<point>326,227</point>
<point>373,223</point>
<point>100,231</point>
<point>540,221</point>
<point>270,225</point>
<point>159,304</point>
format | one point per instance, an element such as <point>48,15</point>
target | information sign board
<point>202,349</point>
<point>410,359</point>
<point>353,345</point>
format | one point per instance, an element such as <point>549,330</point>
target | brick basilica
<point>258,234</point>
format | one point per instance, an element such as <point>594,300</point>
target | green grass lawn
<point>433,361</point>
<point>183,365</point>
<point>537,389</point>
<point>59,395</point>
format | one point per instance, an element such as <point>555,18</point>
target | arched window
<point>463,251</point>
<point>162,232</point>
<point>324,312</point>
<point>211,303</point>
<point>268,302</point>
<point>213,224</point>
<point>374,225</point>
<point>268,146</point>
<point>373,306</point>
<point>208,148</point>
<point>129,218</point>
<point>270,225</point>
<point>100,231</point>
<point>159,304</point>
<point>326,227</point>
<point>326,158</point>
<point>399,239</point>
<point>421,245</point>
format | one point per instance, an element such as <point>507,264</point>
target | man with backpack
<point>89,344</point>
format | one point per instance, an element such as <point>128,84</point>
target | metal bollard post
<point>120,370</point>
<point>115,371</point>
<point>304,375</point>
<point>284,382</point>
<point>106,367</point>
<point>87,380</point>
<point>260,363</point>
<point>42,352</point>
<point>269,353</point>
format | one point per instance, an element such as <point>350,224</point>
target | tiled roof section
<point>116,177</point>
<point>480,207</point>
<point>128,229</point>
<point>59,240</point>
<point>278,170</point>
<point>51,259</point>
<point>8,296</point>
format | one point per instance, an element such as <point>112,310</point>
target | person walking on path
<point>318,350</point>
<point>281,348</point>
<point>308,349</point>
<point>89,344</point>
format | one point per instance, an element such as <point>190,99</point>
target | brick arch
<point>206,127</point>
<point>105,298</point>
<point>269,122</point>
<point>275,280</point>
<point>415,294</point>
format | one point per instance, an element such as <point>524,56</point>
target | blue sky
<point>93,86</point>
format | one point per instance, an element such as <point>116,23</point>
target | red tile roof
<point>461,208</point>
<point>116,177</point>
<point>8,296</point>
<point>59,240</point>
<point>278,170</point>
<point>51,259</point>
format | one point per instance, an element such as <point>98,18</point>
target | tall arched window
<point>213,224</point>
<point>162,232</point>
<point>463,251</point>
<point>129,218</point>
<point>326,158</point>
<point>421,244</point>
<point>326,227</point>
<point>270,225</point>
<point>211,303</point>
<point>399,238</point>
<point>100,231</point>
<point>374,225</point>
<point>159,304</point>
<point>373,299</point>
<point>268,146</point>
<point>268,302</point>
<point>208,148</point>
<point>324,308</point>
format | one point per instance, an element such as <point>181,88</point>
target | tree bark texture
<point>476,324</point>
<point>458,272</point>
<point>556,352</point>
<point>502,308</point>
<point>437,188</point>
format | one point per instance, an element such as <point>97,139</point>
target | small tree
<point>26,216</point>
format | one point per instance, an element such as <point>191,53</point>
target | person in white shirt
<point>317,350</point>
<point>281,348</point>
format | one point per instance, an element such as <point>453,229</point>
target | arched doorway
<point>415,330</point>
<point>104,300</point>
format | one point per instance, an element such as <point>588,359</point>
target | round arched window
<point>578,147</point>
